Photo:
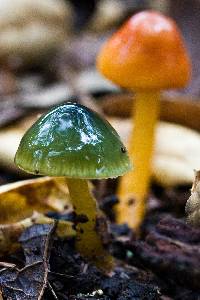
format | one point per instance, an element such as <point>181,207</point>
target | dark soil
<point>80,280</point>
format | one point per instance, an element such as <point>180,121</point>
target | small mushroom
<point>146,55</point>
<point>74,142</point>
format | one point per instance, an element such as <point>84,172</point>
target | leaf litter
<point>29,282</point>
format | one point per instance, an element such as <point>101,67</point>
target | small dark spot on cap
<point>123,150</point>
<point>130,202</point>
<point>81,230</point>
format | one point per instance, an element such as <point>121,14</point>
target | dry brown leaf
<point>176,151</point>
<point>29,282</point>
<point>18,200</point>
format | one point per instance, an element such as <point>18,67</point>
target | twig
<point>52,290</point>
<point>62,275</point>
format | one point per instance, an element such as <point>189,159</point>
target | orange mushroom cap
<point>147,52</point>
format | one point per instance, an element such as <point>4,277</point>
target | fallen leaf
<point>10,233</point>
<point>18,200</point>
<point>193,203</point>
<point>29,282</point>
<point>177,151</point>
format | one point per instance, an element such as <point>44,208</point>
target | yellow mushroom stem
<point>134,185</point>
<point>88,240</point>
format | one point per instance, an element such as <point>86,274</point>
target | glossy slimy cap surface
<point>72,140</point>
<point>147,52</point>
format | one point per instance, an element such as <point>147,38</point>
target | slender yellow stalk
<point>134,185</point>
<point>88,240</point>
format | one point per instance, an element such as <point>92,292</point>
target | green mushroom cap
<point>73,141</point>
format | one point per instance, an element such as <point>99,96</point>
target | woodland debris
<point>171,249</point>
<point>10,233</point>
<point>71,277</point>
<point>29,282</point>
<point>193,203</point>
<point>18,200</point>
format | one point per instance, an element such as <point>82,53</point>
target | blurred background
<point>47,56</point>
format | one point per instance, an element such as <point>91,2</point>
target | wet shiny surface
<point>71,140</point>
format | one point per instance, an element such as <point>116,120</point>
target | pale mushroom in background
<point>30,30</point>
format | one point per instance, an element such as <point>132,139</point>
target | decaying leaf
<point>193,203</point>
<point>29,282</point>
<point>18,200</point>
<point>10,233</point>
<point>176,151</point>
<point>172,250</point>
